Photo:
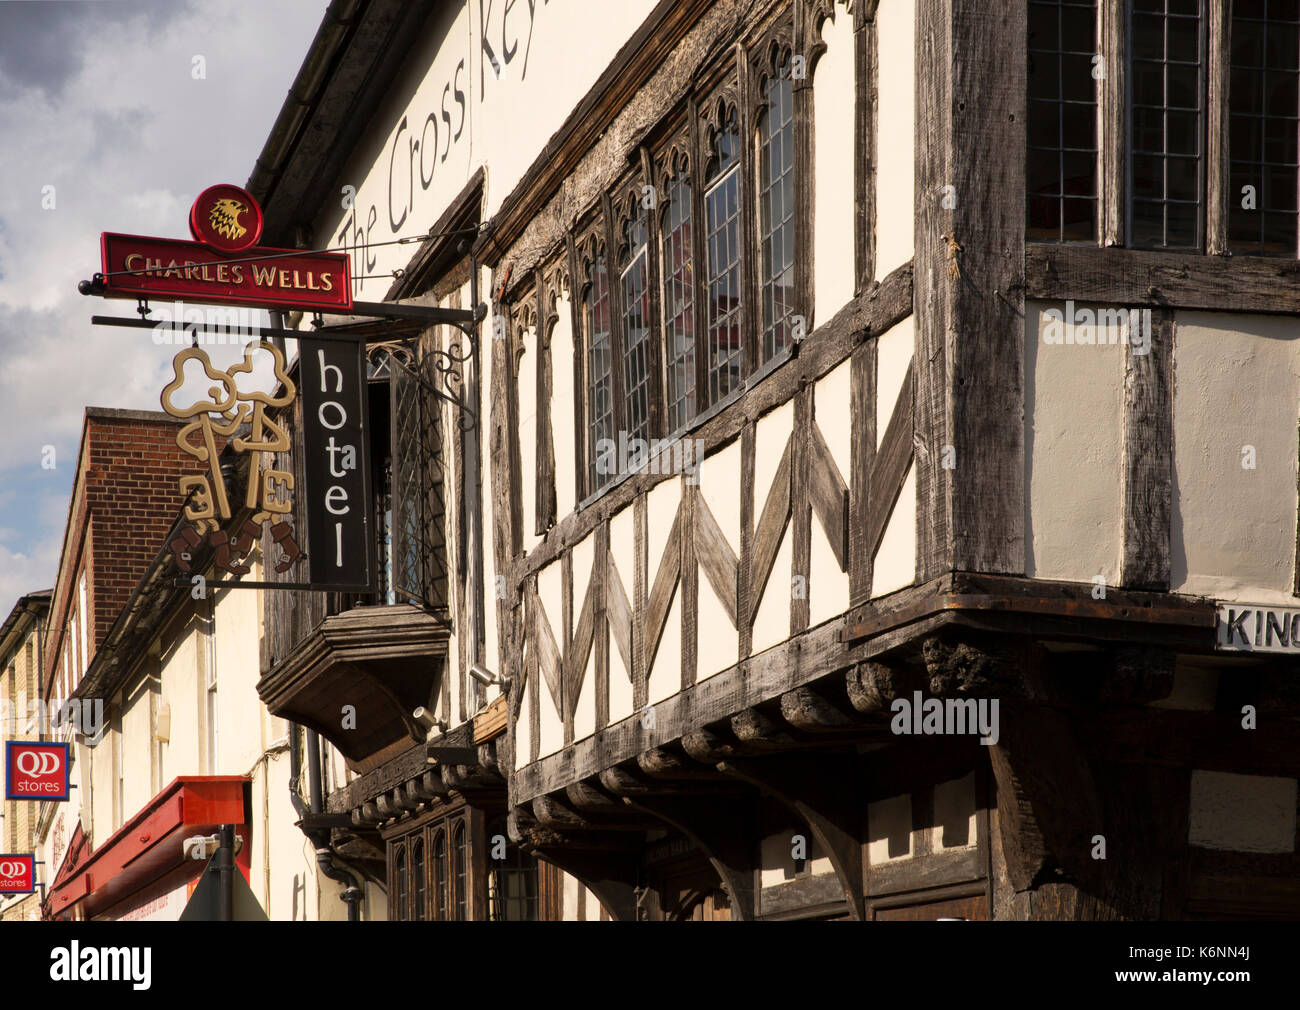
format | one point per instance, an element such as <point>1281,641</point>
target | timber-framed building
<point>840,358</point>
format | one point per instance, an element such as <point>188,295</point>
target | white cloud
<point>127,137</point>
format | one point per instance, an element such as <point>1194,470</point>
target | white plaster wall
<point>549,593</point>
<point>571,890</point>
<point>137,738</point>
<point>584,715</point>
<point>527,392</point>
<point>1236,384</point>
<point>1074,454</point>
<point>894,565</point>
<point>500,118</point>
<point>622,545</point>
<point>237,631</point>
<point>662,504</point>
<point>893,355</point>
<point>1242,813</point>
<point>828,585</point>
<point>718,649</point>
<point>833,132</point>
<point>895,133</point>
<point>180,692</point>
<point>562,406</point>
<point>102,783</point>
<point>772,621</point>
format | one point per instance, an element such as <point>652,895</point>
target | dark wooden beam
<point>879,308</point>
<point>1144,277</point>
<point>1148,457</point>
<point>970,95</point>
<point>834,814</point>
<point>724,829</point>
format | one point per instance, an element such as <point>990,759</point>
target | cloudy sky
<point>105,115</point>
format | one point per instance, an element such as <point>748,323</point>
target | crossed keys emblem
<point>219,408</point>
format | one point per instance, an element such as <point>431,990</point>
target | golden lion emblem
<point>224,218</point>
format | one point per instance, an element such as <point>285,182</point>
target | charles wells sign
<point>224,266</point>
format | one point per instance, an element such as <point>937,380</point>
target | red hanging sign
<point>36,770</point>
<point>17,873</point>
<point>224,267</point>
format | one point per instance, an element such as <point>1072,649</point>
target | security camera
<point>426,719</point>
<point>486,677</point>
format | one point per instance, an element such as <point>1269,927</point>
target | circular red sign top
<point>226,218</point>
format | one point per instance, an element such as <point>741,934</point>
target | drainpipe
<point>353,893</point>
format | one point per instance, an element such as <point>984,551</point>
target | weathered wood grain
<point>1148,458</point>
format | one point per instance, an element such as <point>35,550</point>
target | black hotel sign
<point>340,541</point>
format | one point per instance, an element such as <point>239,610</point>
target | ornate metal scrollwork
<point>444,365</point>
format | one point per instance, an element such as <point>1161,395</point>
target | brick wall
<point>125,502</point>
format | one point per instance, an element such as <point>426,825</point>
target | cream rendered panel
<point>238,667</point>
<point>622,545</point>
<point>549,593</point>
<point>719,647</point>
<point>103,786</point>
<point>1236,384</point>
<point>180,666</point>
<point>570,898</point>
<point>137,737</point>
<point>895,135</point>
<point>663,502</point>
<point>893,354</point>
<point>584,715</point>
<point>498,116</point>
<point>562,399</point>
<point>1074,452</point>
<point>527,393</point>
<point>828,586</point>
<point>833,133</point>
<point>894,566</point>
<point>772,622</point>
<point>593,906</point>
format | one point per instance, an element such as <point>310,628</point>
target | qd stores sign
<point>1246,628</point>
<point>332,379</point>
<point>17,873</point>
<point>36,770</point>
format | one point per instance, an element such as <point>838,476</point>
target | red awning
<point>148,846</point>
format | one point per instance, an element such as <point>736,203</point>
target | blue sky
<point>100,101</point>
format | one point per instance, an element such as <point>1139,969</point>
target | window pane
<point>722,235</point>
<point>1263,93</point>
<point>776,212</point>
<point>1166,112</point>
<point>417,880</point>
<point>679,304</point>
<point>458,872</point>
<point>635,289</point>
<point>1061,167</point>
<point>600,378</point>
<point>441,879</point>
